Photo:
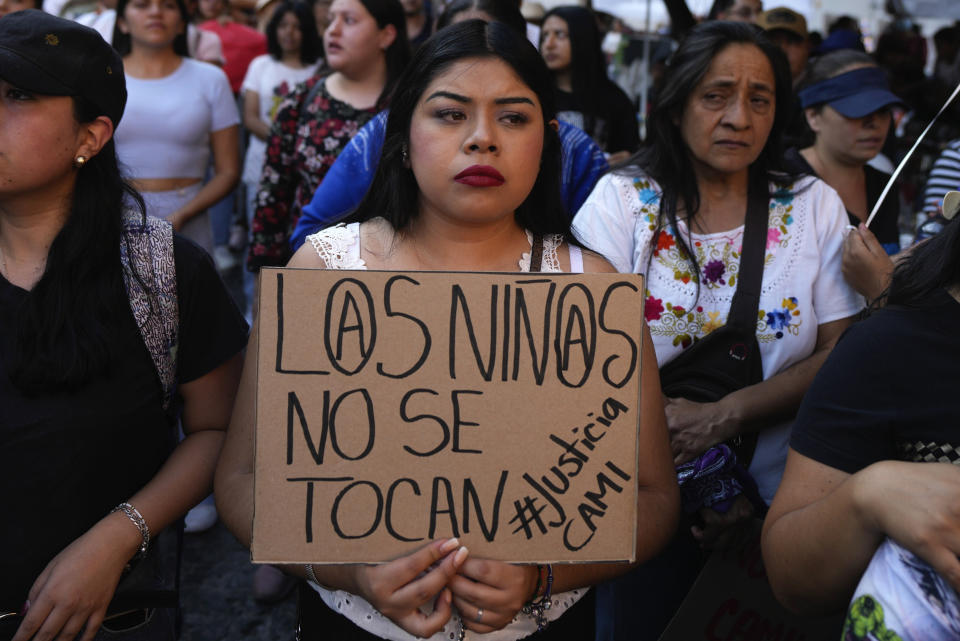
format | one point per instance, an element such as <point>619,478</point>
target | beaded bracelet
<point>134,515</point>
<point>537,608</point>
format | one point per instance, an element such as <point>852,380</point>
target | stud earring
<point>405,155</point>
<point>79,162</point>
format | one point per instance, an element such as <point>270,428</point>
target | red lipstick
<point>480,176</point>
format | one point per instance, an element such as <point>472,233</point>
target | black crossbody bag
<point>728,358</point>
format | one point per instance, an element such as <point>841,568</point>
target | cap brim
<point>865,103</point>
<point>24,74</point>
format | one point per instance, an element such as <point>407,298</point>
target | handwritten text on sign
<point>395,408</point>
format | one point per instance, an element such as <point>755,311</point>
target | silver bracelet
<point>134,515</point>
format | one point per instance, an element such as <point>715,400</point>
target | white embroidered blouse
<point>339,247</point>
<point>802,287</point>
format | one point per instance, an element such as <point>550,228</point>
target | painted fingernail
<point>26,606</point>
<point>461,555</point>
<point>449,545</point>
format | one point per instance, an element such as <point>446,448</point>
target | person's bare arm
<point>824,526</point>
<point>251,115</point>
<point>69,598</point>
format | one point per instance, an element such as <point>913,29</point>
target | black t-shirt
<point>614,128</point>
<point>885,225</point>
<point>67,459</point>
<point>888,391</point>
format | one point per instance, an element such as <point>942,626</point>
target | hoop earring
<point>79,162</point>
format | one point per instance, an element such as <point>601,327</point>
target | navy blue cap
<point>853,94</point>
<point>52,56</point>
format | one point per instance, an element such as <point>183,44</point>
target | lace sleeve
<point>339,246</point>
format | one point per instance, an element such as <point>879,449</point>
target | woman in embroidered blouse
<point>470,168</point>
<point>366,46</point>
<point>678,216</point>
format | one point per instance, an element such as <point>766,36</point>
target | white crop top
<point>339,247</point>
<point>166,126</point>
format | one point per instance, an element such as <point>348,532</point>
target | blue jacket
<point>350,175</point>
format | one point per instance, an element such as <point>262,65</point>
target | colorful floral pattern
<point>300,150</point>
<point>718,256</point>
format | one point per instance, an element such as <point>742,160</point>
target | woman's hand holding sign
<point>399,588</point>
<point>488,594</point>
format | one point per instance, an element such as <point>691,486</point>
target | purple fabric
<point>714,479</point>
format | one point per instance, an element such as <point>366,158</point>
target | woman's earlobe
<point>96,134</point>
<point>387,36</point>
<point>554,124</point>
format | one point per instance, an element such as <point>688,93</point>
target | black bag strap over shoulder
<point>746,300</point>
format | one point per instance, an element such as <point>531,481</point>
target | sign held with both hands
<point>394,408</point>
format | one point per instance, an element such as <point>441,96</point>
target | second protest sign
<point>394,408</point>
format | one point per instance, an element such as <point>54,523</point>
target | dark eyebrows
<point>518,100</point>
<point>512,100</point>
<point>448,94</point>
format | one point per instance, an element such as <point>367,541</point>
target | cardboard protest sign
<point>732,601</point>
<point>396,408</point>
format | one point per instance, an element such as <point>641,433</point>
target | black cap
<point>48,55</point>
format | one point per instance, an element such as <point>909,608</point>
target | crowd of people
<point>798,347</point>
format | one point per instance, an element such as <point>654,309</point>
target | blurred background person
<point>241,44</point>
<point>366,47</point>
<point>180,112</point>
<point>788,30</point>
<point>847,104</point>
<point>735,10</point>
<point>586,97</point>
<point>419,15</point>
<point>294,56</point>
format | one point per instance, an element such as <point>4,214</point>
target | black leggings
<point>317,622</point>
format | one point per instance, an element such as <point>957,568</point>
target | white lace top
<point>339,247</point>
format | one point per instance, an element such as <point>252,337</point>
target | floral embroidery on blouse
<point>718,256</point>
<point>300,150</point>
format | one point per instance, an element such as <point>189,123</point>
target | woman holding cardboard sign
<point>468,177</point>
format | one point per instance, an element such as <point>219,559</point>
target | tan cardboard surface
<point>396,408</point>
<point>732,601</point>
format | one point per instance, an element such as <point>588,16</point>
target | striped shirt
<point>944,177</point>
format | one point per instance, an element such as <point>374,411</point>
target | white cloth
<point>339,247</point>
<point>802,283</point>
<point>271,80</point>
<point>166,127</point>
<point>902,597</point>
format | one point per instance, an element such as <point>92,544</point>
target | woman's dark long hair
<point>505,11</point>
<point>588,66</point>
<point>70,317</point>
<point>398,53</point>
<point>121,40</point>
<point>664,155</point>
<point>928,267</point>
<point>310,45</point>
<point>394,193</point>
